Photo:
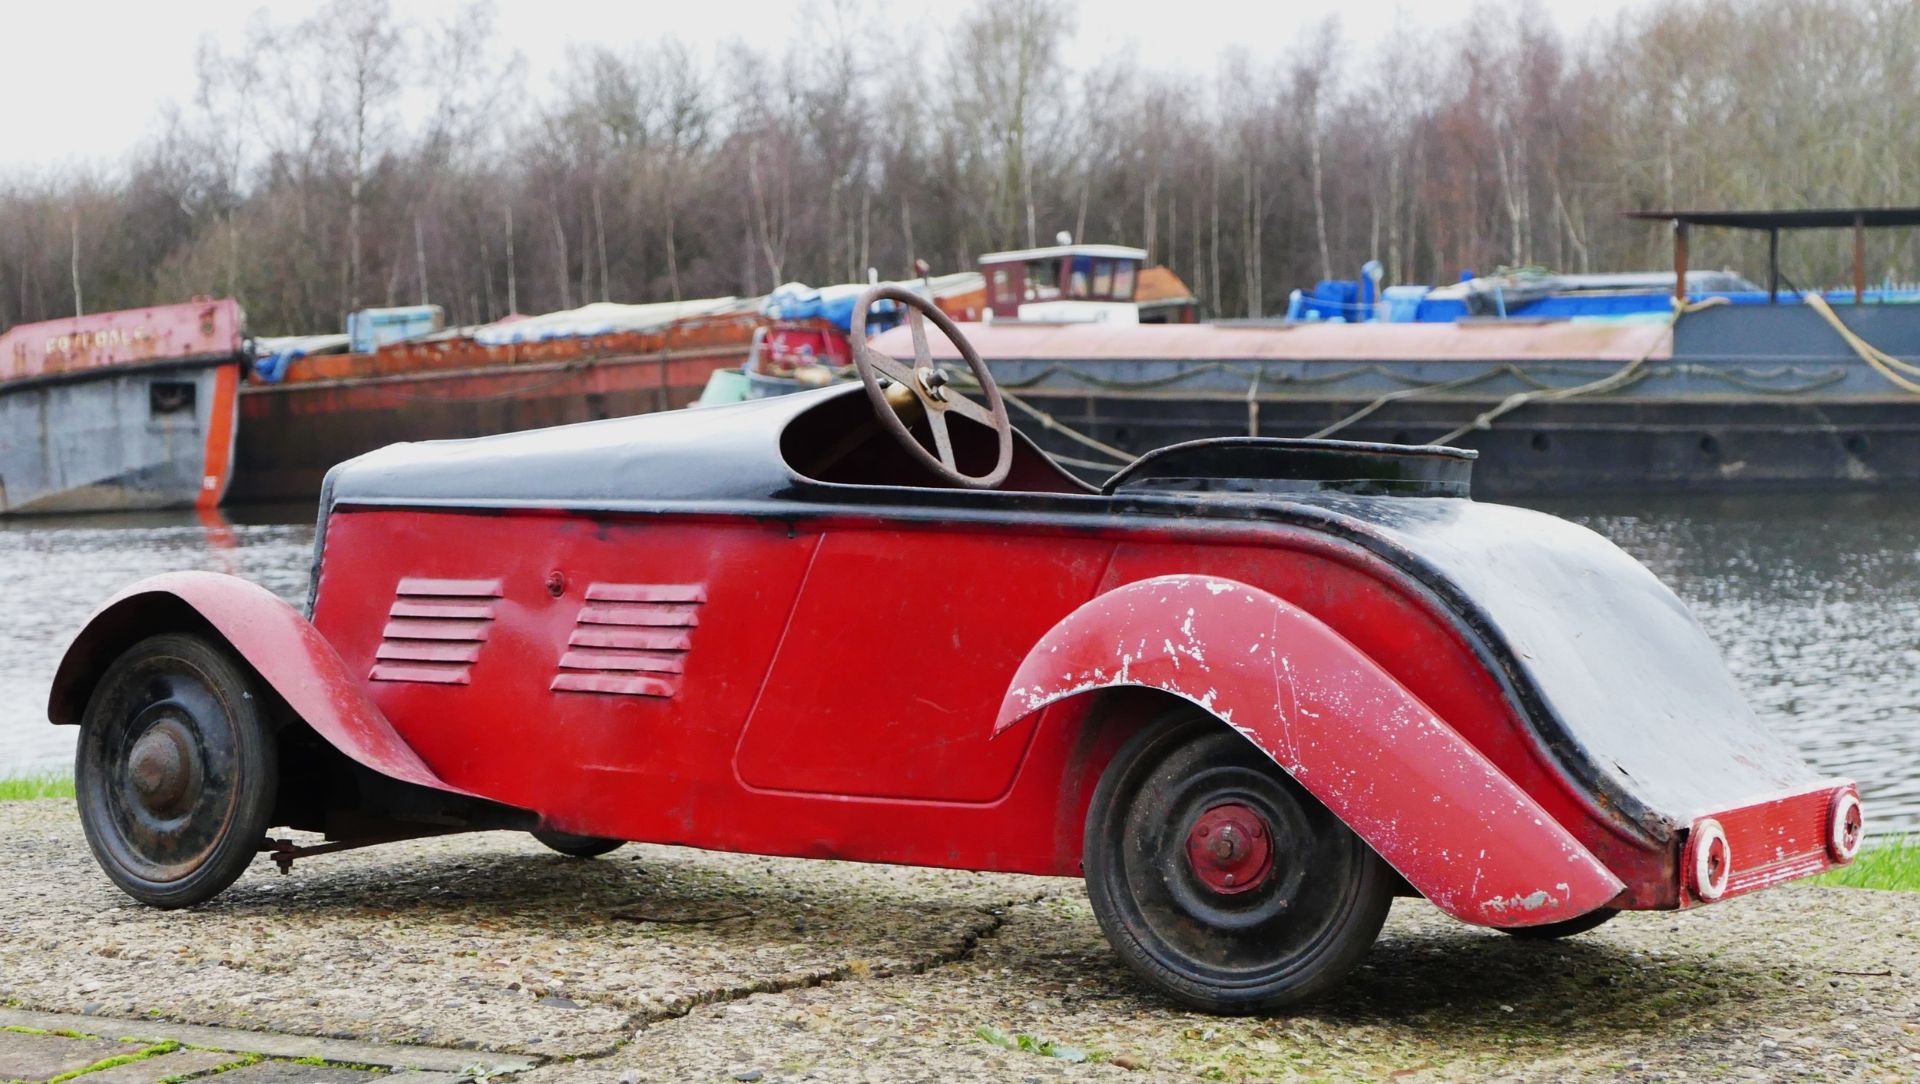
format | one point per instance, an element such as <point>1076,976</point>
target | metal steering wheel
<point>931,386</point>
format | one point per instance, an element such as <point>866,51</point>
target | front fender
<point>1444,816</point>
<point>283,647</point>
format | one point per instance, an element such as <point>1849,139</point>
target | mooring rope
<point>1403,393</point>
<point>1633,372</point>
<point>1627,375</point>
<point>1052,424</point>
<point>1884,363</point>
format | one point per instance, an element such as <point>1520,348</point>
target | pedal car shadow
<point>1426,971</point>
<point>1439,974</point>
<point>525,889</point>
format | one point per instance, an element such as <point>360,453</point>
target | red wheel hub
<point>1230,848</point>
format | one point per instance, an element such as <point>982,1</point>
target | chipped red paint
<point>290,655</point>
<point>1772,840</point>
<point>1440,813</point>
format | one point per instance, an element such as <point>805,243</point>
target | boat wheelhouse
<point>1065,283</point>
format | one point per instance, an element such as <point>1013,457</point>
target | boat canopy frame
<point>1858,219</point>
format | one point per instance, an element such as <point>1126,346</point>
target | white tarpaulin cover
<point>599,318</point>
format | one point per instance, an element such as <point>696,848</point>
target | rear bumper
<point>1770,841</point>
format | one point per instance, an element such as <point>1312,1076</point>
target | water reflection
<point>54,571</point>
<point>1815,601</point>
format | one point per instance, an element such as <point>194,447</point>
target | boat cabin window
<point>1003,290</point>
<point>1043,280</point>
<point>1099,279</point>
<point>1102,274</point>
<point>170,397</point>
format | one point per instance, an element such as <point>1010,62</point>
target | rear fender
<point>1444,816</point>
<point>283,647</point>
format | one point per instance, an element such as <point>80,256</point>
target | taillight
<point>1845,827</point>
<point>1712,859</point>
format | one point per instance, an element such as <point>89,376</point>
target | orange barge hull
<point>331,408</point>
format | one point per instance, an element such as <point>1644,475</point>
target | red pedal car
<point>1250,689</point>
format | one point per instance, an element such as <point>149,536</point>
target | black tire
<point>176,770</point>
<point>1553,931</point>
<point>1302,913</point>
<point>579,846</point>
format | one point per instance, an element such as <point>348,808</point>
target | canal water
<point>1814,599</point>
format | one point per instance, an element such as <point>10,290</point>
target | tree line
<point>358,157</point>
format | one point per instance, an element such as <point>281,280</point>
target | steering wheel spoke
<point>933,392</point>
<point>922,353</point>
<point>967,408</point>
<point>942,439</point>
<point>897,372</point>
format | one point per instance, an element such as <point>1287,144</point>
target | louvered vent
<point>434,630</point>
<point>631,639</point>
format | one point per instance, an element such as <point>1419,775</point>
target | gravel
<point>659,964</point>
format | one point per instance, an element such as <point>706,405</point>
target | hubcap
<point>163,769</point>
<point>166,757</point>
<point>1230,848</point>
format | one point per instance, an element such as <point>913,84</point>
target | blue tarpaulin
<point>834,304</point>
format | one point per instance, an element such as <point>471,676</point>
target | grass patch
<point>1892,865</point>
<point>43,785</point>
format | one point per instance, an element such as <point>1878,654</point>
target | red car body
<point>758,628</point>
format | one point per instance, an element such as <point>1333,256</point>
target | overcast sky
<point>83,80</point>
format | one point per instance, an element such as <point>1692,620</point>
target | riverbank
<point>663,964</point>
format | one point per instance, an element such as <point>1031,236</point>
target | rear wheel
<point>579,846</point>
<point>176,770</point>
<point>1219,879</point>
<point>1553,931</point>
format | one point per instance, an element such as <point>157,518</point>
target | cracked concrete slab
<point>488,942</point>
<point>42,1057</point>
<point>287,1072</point>
<point>1809,982</point>
<point>149,1031</point>
<point>726,967</point>
<point>179,1063</point>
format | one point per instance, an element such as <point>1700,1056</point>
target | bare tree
<point>1007,61</point>
<point>363,153</point>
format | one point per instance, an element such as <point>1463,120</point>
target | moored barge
<point>1668,382</point>
<point>125,410</point>
<point>309,410</point>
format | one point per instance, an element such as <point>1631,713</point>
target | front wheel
<point>1219,879</point>
<point>176,770</point>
